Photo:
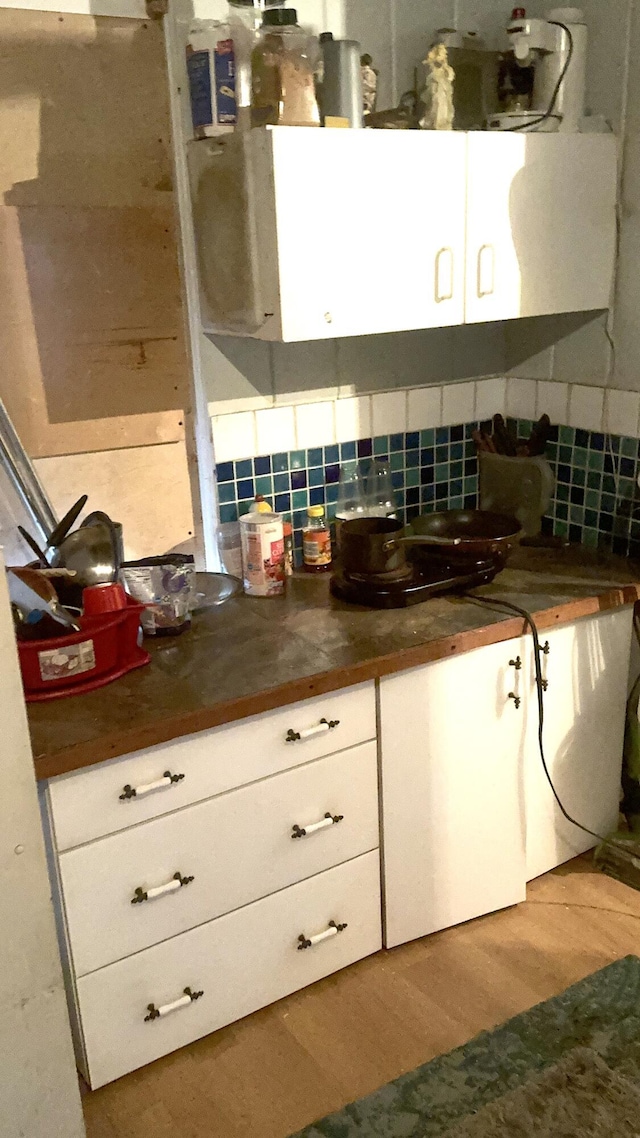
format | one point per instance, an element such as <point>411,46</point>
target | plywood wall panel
<point>91,333</point>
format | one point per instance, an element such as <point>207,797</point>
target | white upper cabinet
<point>541,224</point>
<point>306,234</point>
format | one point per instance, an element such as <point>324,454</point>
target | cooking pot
<point>377,546</point>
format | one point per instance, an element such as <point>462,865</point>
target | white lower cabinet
<point>233,965</point>
<point>453,835</point>
<point>586,668</point>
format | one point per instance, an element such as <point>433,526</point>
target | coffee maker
<point>556,47</point>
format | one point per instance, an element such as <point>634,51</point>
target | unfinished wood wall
<point>91,337</point>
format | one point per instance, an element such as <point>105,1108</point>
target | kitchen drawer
<point>88,804</point>
<point>236,848</point>
<point>239,963</point>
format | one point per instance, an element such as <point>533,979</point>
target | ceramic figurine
<point>438,93</point>
<point>369,84</point>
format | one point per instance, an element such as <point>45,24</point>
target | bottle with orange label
<point>316,541</point>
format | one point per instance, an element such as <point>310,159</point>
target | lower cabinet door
<point>138,1009</point>
<point>586,666</point>
<point>452,739</point>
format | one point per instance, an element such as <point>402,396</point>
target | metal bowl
<point>93,552</point>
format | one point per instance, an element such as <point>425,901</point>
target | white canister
<point>262,554</point>
<point>211,68</point>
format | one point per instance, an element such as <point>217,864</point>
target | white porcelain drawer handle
<point>320,728</point>
<point>304,831</point>
<point>309,941</point>
<point>177,881</point>
<point>168,779</point>
<point>166,1009</point>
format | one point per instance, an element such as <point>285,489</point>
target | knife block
<point>519,487</point>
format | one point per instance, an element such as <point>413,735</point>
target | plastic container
<point>316,542</point>
<point>105,598</point>
<point>105,649</point>
<point>283,64</point>
<point>380,498</point>
<point>211,69</point>
<point>262,554</point>
<point>351,496</point>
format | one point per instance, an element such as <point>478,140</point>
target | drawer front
<point>239,963</point>
<point>88,804</point>
<point>228,851</point>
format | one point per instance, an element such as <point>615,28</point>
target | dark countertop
<point>252,655</point>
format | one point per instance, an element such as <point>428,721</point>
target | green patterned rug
<point>600,1013</point>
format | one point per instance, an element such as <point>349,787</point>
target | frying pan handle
<point>428,539</point>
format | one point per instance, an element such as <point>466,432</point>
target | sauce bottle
<point>316,541</point>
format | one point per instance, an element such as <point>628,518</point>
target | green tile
<point>580,455</point>
<point>381,444</point>
<point>592,500</point>
<point>297,459</point>
<point>576,515</point>
<point>397,460</point>
<point>596,460</point>
<point>264,484</point>
<point>427,438</point>
<point>628,447</point>
<point>299,499</point>
<point>244,507</point>
<point>567,436</point>
<point>226,492</point>
<point>412,477</point>
<point>562,492</point>
<point>594,480</point>
<point>456,503</point>
<point>279,463</point>
<point>442,472</point>
<point>561,528</point>
<point>525,427</point>
<point>590,538</point>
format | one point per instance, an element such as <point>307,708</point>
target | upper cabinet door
<point>541,224</point>
<point>370,230</point>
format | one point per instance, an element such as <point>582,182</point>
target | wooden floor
<point>280,1069</point>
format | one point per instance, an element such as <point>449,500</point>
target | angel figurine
<point>438,93</point>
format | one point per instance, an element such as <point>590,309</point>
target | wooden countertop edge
<point>229,711</point>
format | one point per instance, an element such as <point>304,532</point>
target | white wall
<point>39,1096</point>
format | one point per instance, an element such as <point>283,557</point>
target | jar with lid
<point>283,64</point>
<point>316,541</point>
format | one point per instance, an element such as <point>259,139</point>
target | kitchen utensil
<point>92,551</point>
<point>63,527</point>
<point>33,546</point>
<point>212,589</point>
<point>538,440</point>
<point>465,535</point>
<point>109,596</point>
<point>31,592</point>
<point>504,442</point>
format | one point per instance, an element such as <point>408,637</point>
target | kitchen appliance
<point>557,48</point>
<point>449,552</point>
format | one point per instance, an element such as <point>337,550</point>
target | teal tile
<point>299,499</point>
<point>427,438</point>
<point>563,492</point>
<point>580,457</point>
<point>331,493</point>
<point>592,500</point>
<point>412,478</point>
<point>264,485</point>
<point>470,485</point>
<point>561,528</point>
<point>567,435</point>
<point>590,538</point>
<point>442,472</point>
<point>381,444</point>
<point>628,447</point>
<point>525,427</point>
<point>279,463</point>
<point>244,507</point>
<point>596,460</point>
<point>397,460</point>
<point>576,515</point>
<point>594,480</point>
<point>226,492</point>
<point>228,513</point>
<point>456,503</point>
<point>297,459</point>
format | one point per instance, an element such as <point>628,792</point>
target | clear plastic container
<point>351,496</point>
<point>380,497</point>
<point>283,64</point>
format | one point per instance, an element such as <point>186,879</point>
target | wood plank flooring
<point>283,1067</point>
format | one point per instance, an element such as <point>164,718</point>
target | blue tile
<point>455,488</point>
<point>412,440</point>
<point>442,435</point>
<point>470,466</point>
<point>281,483</point>
<point>427,456</point>
<point>412,512</point>
<point>332,474</point>
<point>331,455</point>
<point>228,513</point>
<point>314,457</point>
<point>582,438</point>
<point>224,471</point>
<point>455,470</point>
<point>564,473</point>
<point>316,476</point>
<point>365,448</point>
<point>442,492</point>
<point>299,519</point>
<point>347,452</point>
<point>596,441</point>
<point>283,503</point>
<point>227,492</point>
<point>316,496</point>
<point>413,496</point>
<point>397,479</point>
<point>627,468</point>
<point>457,451</point>
<point>298,479</point>
<point>396,442</point>
<point>412,458</point>
<point>297,459</point>
<point>262,465</point>
<point>246,489</point>
<point>331,493</point>
<point>244,468</point>
<point>427,495</point>
<point>280,463</point>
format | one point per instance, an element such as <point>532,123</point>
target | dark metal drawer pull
<point>177,881</point>
<point>165,1009</point>
<point>309,941</point>
<point>168,779</point>
<point>320,729</point>
<point>327,821</point>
